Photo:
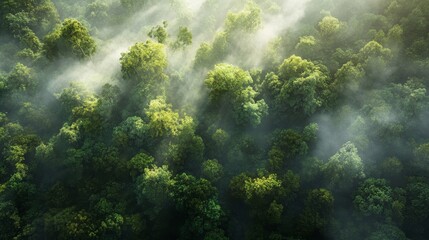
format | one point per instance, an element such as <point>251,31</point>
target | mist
<point>181,119</point>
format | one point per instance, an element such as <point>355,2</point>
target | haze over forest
<point>214,120</point>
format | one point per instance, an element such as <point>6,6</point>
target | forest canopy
<point>214,120</point>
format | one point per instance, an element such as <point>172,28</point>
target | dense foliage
<point>172,119</point>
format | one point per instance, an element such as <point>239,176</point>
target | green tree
<point>247,20</point>
<point>43,15</point>
<point>317,210</point>
<point>421,159</point>
<point>97,13</point>
<point>72,97</point>
<point>287,145</point>
<point>373,50</point>
<point>307,46</point>
<point>154,185</point>
<point>374,198</point>
<point>10,219</point>
<point>348,79</point>
<point>220,137</point>
<point>212,170</point>
<point>162,120</point>
<point>328,27</point>
<point>344,168</point>
<point>71,38</point>
<point>144,63</point>
<point>416,213</point>
<point>184,38</point>
<point>260,188</point>
<point>21,78</point>
<point>159,33</point>
<point>133,5</point>
<point>231,86</point>
<point>139,163</point>
<point>301,86</point>
<point>131,132</point>
<point>197,198</point>
<point>386,231</point>
<point>19,25</point>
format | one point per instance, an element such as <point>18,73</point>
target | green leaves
<point>144,63</point>
<point>132,131</point>
<point>329,26</point>
<point>154,185</point>
<point>421,159</point>
<point>227,79</point>
<point>162,120</point>
<point>247,20</point>
<point>159,33</point>
<point>71,39</point>
<point>212,170</point>
<point>184,38</point>
<point>21,78</point>
<point>287,146</point>
<point>261,187</point>
<point>230,85</point>
<point>374,197</point>
<point>374,49</point>
<point>300,86</point>
<point>344,168</point>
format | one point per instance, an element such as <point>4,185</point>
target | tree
<point>231,87</point>
<point>159,33</point>
<point>386,231</point>
<point>306,46</point>
<point>421,159</point>
<point>203,56</point>
<point>247,20</point>
<point>374,198</point>
<point>70,39</point>
<point>391,168</point>
<point>198,200</point>
<point>133,5</point>
<point>162,120</point>
<point>220,137</point>
<point>131,132</point>
<point>212,170</point>
<point>10,219</point>
<point>71,223</point>
<point>21,78</point>
<point>227,80</point>
<point>287,145</point>
<point>300,86</point>
<point>154,186</point>
<point>374,50</point>
<point>236,25</point>
<point>88,117</point>
<point>144,63</point>
<point>19,25</point>
<point>97,13</point>
<point>108,100</point>
<point>416,213</point>
<point>42,13</point>
<point>348,79</point>
<point>393,109</point>
<point>328,27</point>
<point>263,187</point>
<point>318,207</point>
<point>184,38</point>
<point>139,163</point>
<point>185,150</point>
<point>344,168</point>
<point>72,97</point>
